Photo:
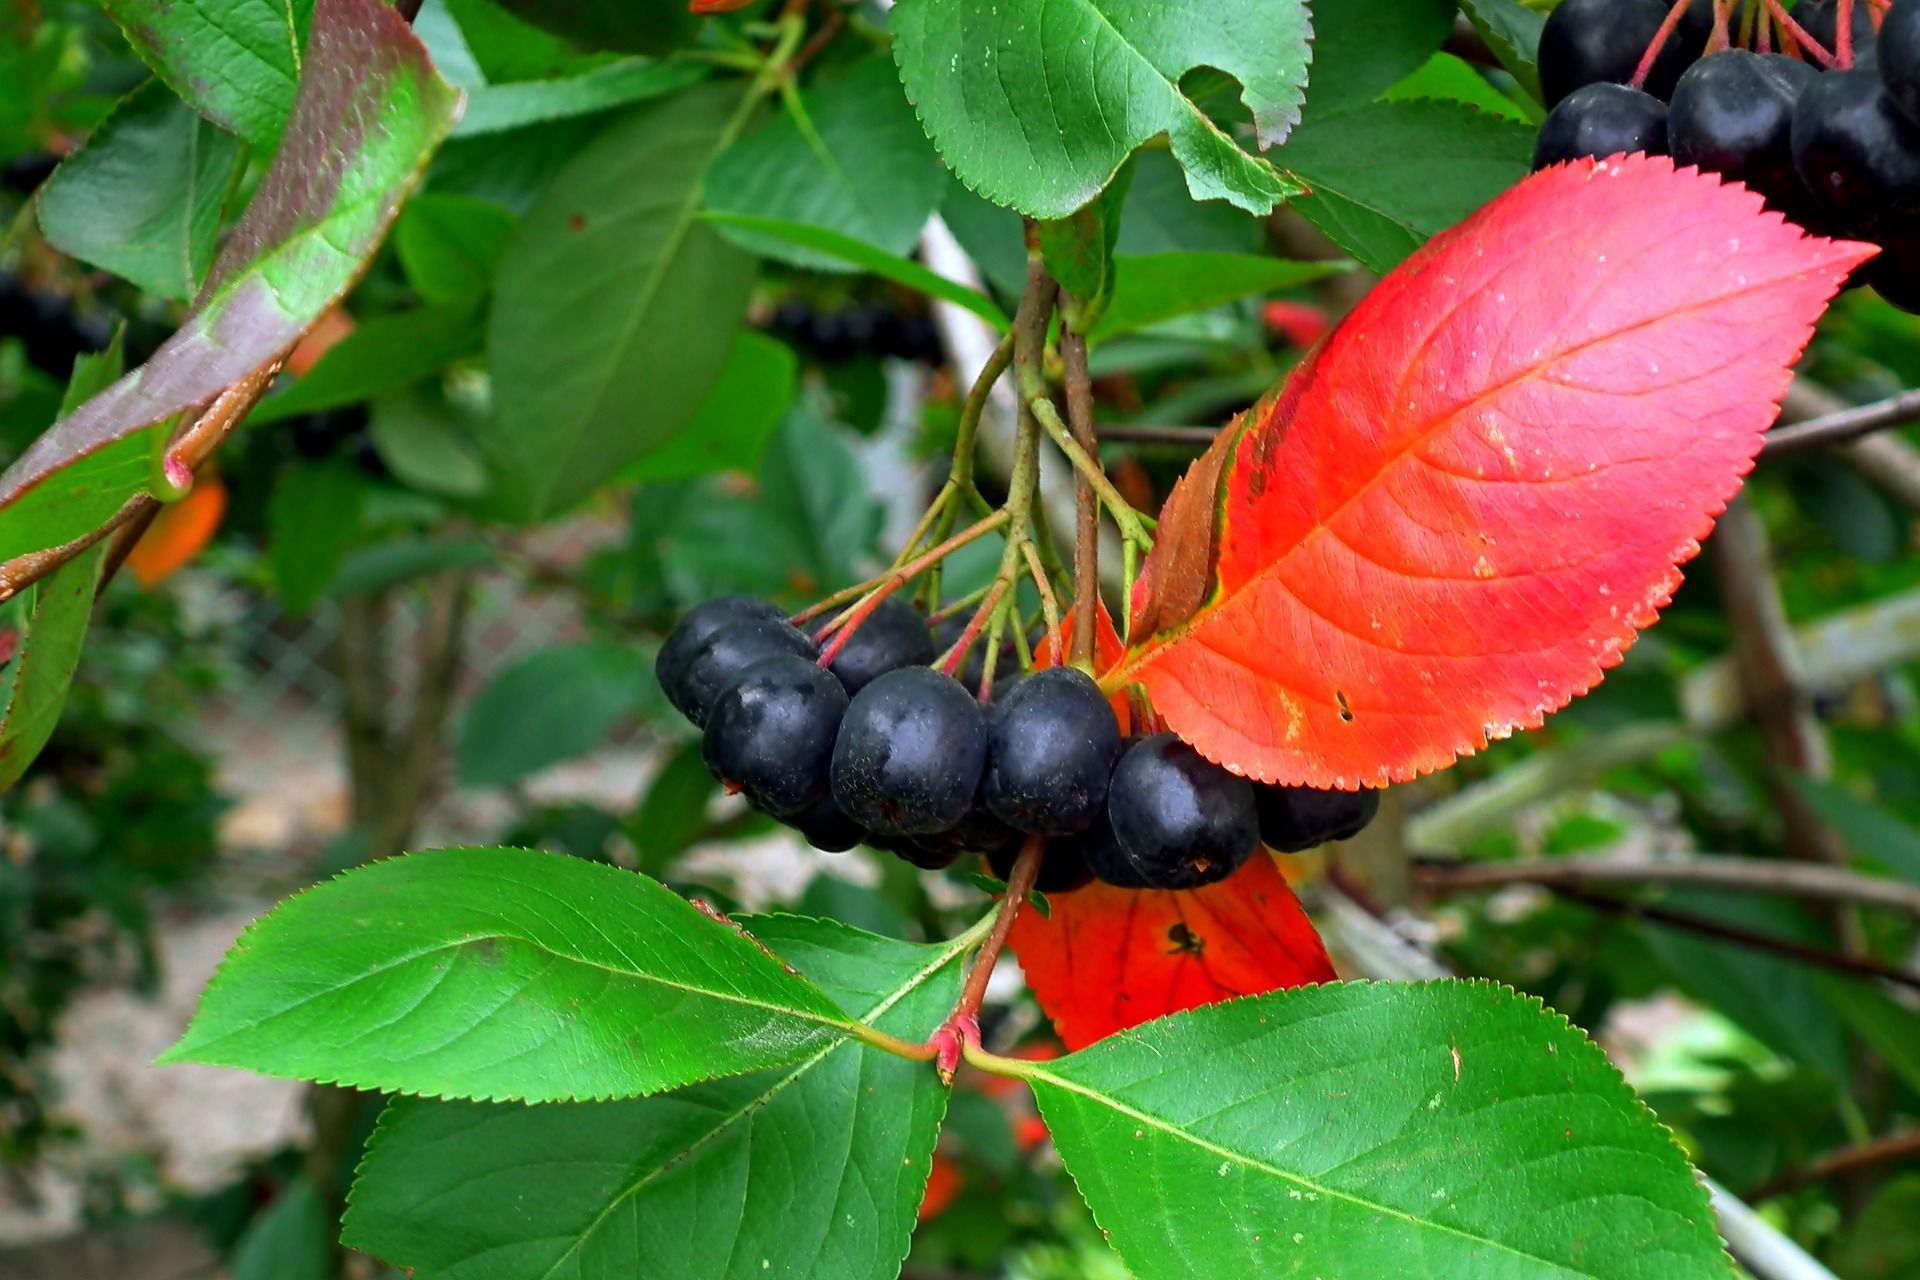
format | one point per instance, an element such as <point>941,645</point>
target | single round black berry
<point>1179,819</point>
<point>1063,867</point>
<point>826,828</point>
<point>1895,274</point>
<point>910,754</point>
<point>928,853</point>
<point>721,658</point>
<point>1100,850</point>
<point>1589,42</point>
<point>1051,744</point>
<point>1732,114</point>
<point>770,735</point>
<point>1602,120</point>
<point>1297,818</point>
<point>894,635</point>
<point>1857,154</point>
<point>1899,57</point>
<point>694,629</point>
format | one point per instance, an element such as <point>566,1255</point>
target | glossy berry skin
<point>1296,818</point>
<point>1602,41</point>
<point>826,828</point>
<point>1732,114</point>
<point>910,754</point>
<point>1857,154</point>
<point>1180,820</point>
<point>693,630</point>
<point>894,635</point>
<point>1051,745</point>
<point>1100,850</point>
<point>1063,867</point>
<point>723,656</point>
<point>771,734</point>
<point>1899,57</point>
<point>1599,121</point>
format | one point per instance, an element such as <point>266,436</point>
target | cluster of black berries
<point>879,748</point>
<point>1836,151</point>
<point>835,337</point>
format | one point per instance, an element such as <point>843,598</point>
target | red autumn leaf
<point>1487,477</point>
<point>1111,958</point>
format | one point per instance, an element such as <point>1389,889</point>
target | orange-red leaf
<point>178,533</point>
<point>1487,477</point>
<point>1111,958</point>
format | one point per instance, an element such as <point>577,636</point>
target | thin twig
<point>1132,523</point>
<point>1885,1149</point>
<point>1198,438</point>
<point>1743,875</point>
<point>1844,426</point>
<point>1026,870</point>
<point>1787,947</point>
<point>1086,530</point>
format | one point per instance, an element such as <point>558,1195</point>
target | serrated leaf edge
<point>1596,1059</point>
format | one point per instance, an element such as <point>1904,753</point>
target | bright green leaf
<point>369,113</point>
<point>313,519</point>
<point>429,442</point>
<point>1449,79</point>
<point>732,427</point>
<point>814,1172</point>
<point>450,246</point>
<point>508,50</point>
<point>57,611</point>
<point>1387,176</point>
<point>1360,49</point>
<point>234,61</point>
<point>392,563</point>
<point>514,106</point>
<point>615,308</point>
<point>1512,31</point>
<point>502,974</point>
<point>1874,835</point>
<point>383,353</point>
<point>858,165</point>
<point>1039,115</point>
<point>1161,217</point>
<point>550,706</point>
<point>1079,253</point>
<point>1164,285</point>
<point>901,271</point>
<point>629,26</point>
<point>291,1239</point>
<point>142,198</point>
<point>1426,1131</point>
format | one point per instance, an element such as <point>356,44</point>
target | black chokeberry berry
<point>1599,121</point>
<point>1100,850</point>
<point>894,635</point>
<point>694,629</point>
<point>1899,57</point>
<point>1297,818</point>
<point>1857,154</point>
<point>721,659</point>
<point>1895,274</point>
<point>1732,114</point>
<point>826,828</point>
<point>1063,866</point>
<point>928,853</point>
<point>1051,744</point>
<point>1589,42</point>
<point>770,735</point>
<point>910,754</point>
<point>1179,819</point>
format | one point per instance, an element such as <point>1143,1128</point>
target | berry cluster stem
<point>960,1034</point>
<point>1086,532</point>
<point>1659,43</point>
<point>1133,525</point>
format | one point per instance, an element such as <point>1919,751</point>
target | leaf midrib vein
<point>1226,1153</point>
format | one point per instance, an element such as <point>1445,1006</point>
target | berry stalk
<point>1086,533</point>
<point>960,1034</point>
